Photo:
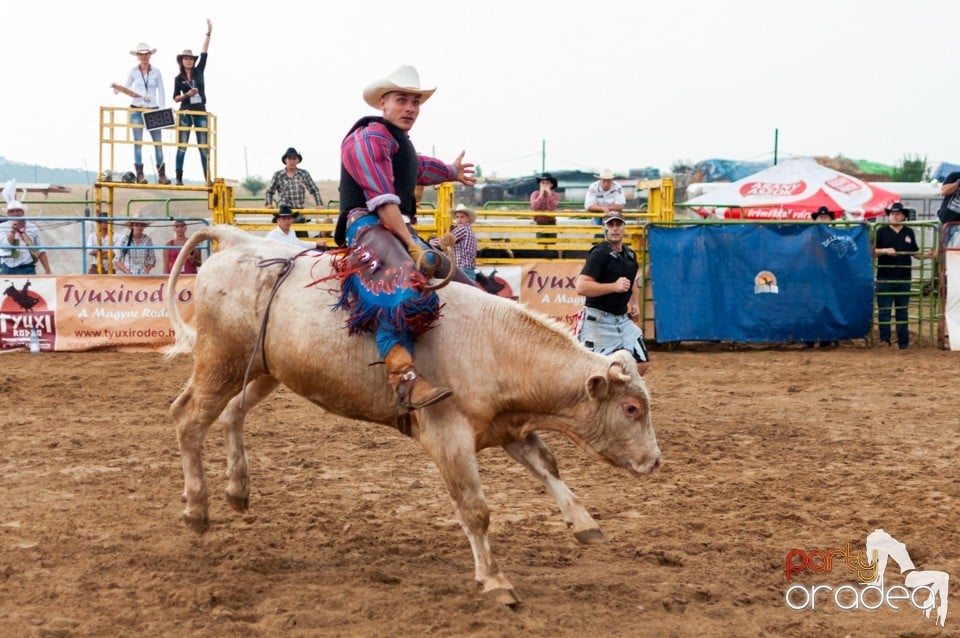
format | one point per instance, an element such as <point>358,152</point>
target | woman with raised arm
<point>190,92</point>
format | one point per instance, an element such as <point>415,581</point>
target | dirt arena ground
<point>351,534</point>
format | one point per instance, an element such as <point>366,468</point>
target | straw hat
<point>143,47</point>
<point>404,79</point>
<point>469,212</point>
<point>187,53</point>
<point>606,174</point>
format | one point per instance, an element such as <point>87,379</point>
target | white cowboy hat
<point>469,212</point>
<point>404,79</point>
<point>606,174</point>
<point>143,47</point>
<point>16,205</point>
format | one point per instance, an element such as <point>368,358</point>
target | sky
<point>521,86</point>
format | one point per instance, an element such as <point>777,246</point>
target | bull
<point>514,372</point>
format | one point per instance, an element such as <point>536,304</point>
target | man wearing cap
<point>895,245</point>
<point>383,288</point>
<point>608,281</point>
<point>605,195</point>
<point>17,240</point>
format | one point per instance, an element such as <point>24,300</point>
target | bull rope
<point>258,345</point>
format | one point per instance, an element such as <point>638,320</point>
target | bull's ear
<point>598,387</point>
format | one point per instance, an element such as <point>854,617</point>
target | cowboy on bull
<point>384,289</point>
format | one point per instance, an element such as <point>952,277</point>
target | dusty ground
<point>351,534</point>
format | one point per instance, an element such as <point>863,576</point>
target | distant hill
<point>27,173</point>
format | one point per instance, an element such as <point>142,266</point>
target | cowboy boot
<point>411,389</point>
<point>140,178</point>
<point>179,178</point>
<point>161,175</point>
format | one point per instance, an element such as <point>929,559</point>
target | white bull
<point>513,372</point>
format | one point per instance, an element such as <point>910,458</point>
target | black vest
<point>405,168</point>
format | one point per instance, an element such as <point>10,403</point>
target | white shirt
<point>596,195</point>
<point>287,238</point>
<point>149,85</point>
<point>23,252</point>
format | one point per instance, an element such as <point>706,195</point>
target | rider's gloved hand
<point>427,262</point>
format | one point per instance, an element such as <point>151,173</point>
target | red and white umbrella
<point>794,189</point>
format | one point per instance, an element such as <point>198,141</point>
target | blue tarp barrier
<point>760,282</point>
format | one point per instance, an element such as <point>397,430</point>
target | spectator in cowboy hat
<point>895,245</point>
<point>908,213</point>
<point>145,85</point>
<point>190,92</point>
<point>137,256</point>
<point>462,239</point>
<point>545,198</point>
<point>823,214</point>
<point>292,183</point>
<point>284,219</point>
<point>604,195</point>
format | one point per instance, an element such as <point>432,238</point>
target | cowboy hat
<point>469,212</point>
<point>612,215</point>
<point>286,210</point>
<point>823,211</point>
<point>143,47</point>
<point>404,79</point>
<point>898,207</point>
<point>291,152</point>
<point>187,53</point>
<point>550,178</point>
<point>15,204</point>
<point>605,174</point>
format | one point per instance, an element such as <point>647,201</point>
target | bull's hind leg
<point>452,447</point>
<point>193,412</point>
<point>231,424</point>
<point>533,454</point>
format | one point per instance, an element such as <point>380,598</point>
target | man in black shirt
<point>895,245</point>
<point>608,281</point>
<point>950,207</point>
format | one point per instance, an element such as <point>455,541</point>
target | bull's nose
<point>656,465</point>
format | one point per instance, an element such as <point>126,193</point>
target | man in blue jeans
<point>895,246</point>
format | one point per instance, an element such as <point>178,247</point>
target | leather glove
<point>448,241</point>
<point>427,264</point>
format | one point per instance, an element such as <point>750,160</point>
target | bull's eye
<point>631,409</point>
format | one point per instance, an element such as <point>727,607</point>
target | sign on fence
<point>75,313</point>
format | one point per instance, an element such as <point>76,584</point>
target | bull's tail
<point>186,336</point>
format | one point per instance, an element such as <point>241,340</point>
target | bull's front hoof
<point>503,596</point>
<point>199,524</point>
<point>591,536</point>
<point>239,503</point>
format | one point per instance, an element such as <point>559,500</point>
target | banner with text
<point>86,312</point>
